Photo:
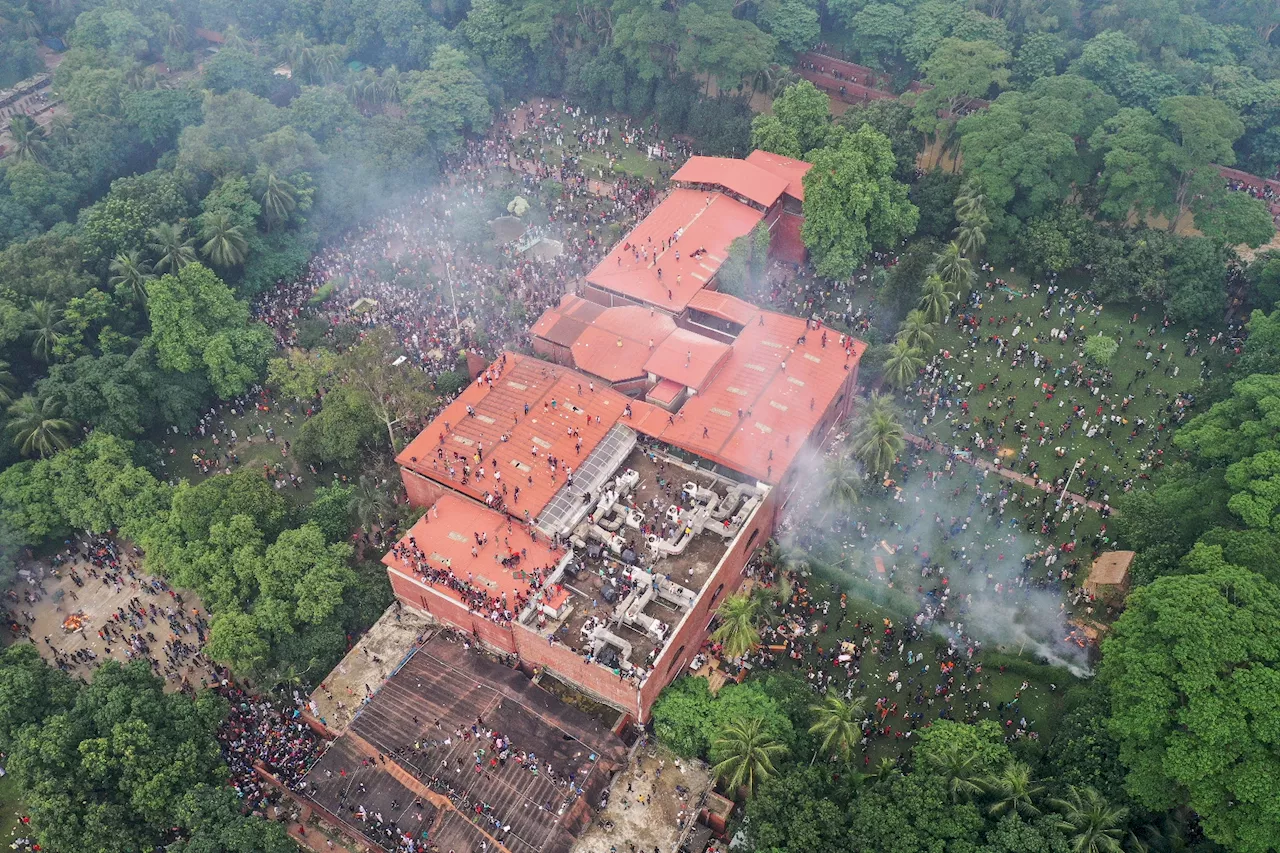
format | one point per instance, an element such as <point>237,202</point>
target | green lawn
<point>1016,395</point>
<point>252,449</point>
<point>1039,704</point>
<point>10,807</point>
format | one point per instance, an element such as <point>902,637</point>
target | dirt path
<point>987,465</point>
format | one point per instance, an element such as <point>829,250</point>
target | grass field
<point>1039,703</point>
<point>997,390</point>
<point>252,449</point>
<point>10,808</point>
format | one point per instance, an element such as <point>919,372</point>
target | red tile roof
<point>554,408</point>
<point>709,221</point>
<point>737,176</point>
<point>725,306</point>
<point>665,391</point>
<point>446,534</point>
<point>563,323</point>
<point>775,404</point>
<point>610,356</point>
<point>687,358</point>
<point>791,171</point>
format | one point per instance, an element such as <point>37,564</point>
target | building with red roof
<point>588,512</point>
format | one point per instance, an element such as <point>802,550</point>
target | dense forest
<point>203,151</point>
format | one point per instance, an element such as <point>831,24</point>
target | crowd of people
<point>436,271</point>
<point>156,624</point>
<point>1022,394</point>
<point>262,732</point>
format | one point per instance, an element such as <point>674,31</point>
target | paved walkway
<point>987,465</point>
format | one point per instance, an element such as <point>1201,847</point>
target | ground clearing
<point>97,602</point>
<point>645,806</point>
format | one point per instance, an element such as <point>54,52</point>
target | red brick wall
<point>452,612</point>
<point>421,491</point>
<point>692,631</point>
<point>553,352</point>
<point>569,666</point>
<point>566,664</point>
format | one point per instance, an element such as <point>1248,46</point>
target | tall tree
<point>46,324</point>
<point>37,426</point>
<point>1091,823</point>
<point>225,242</point>
<point>878,438</point>
<point>28,140</point>
<point>197,325</point>
<point>853,202</point>
<point>745,754</point>
<point>1193,672</point>
<point>130,273</point>
<point>956,73</point>
<point>838,721</point>
<point>738,631</point>
<point>903,364</point>
<point>172,247</point>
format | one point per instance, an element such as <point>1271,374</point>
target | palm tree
<point>326,62</point>
<point>390,84</point>
<point>37,426</point>
<point>844,478</point>
<point>748,754</point>
<point>839,723</point>
<point>903,363</point>
<point>175,34</point>
<point>738,631</point>
<point>45,324</point>
<point>140,77</point>
<point>26,22</point>
<point>279,198</point>
<point>1092,824</point>
<point>7,383</point>
<point>61,130</point>
<point>225,243</point>
<point>298,51</point>
<point>370,504</point>
<point>935,300</point>
<point>886,769</point>
<point>172,246</point>
<point>234,39</point>
<point>28,141</point>
<point>785,558</point>
<point>971,235</point>
<point>954,268</point>
<point>958,769</point>
<point>131,272</point>
<point>916,329</point>
<point>1014,791</point>
<point>878,438</point>
<point>970,203</point>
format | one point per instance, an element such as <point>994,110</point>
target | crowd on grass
<point>1022,383</point>
<point>437,274</point>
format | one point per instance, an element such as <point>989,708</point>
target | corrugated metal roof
<point>791,171</point>
<point>737,176</point>
<point>665,391</point>
<point>709,221</point>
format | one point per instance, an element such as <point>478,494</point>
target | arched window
<point>716,594</point>
<point>675,660</point>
